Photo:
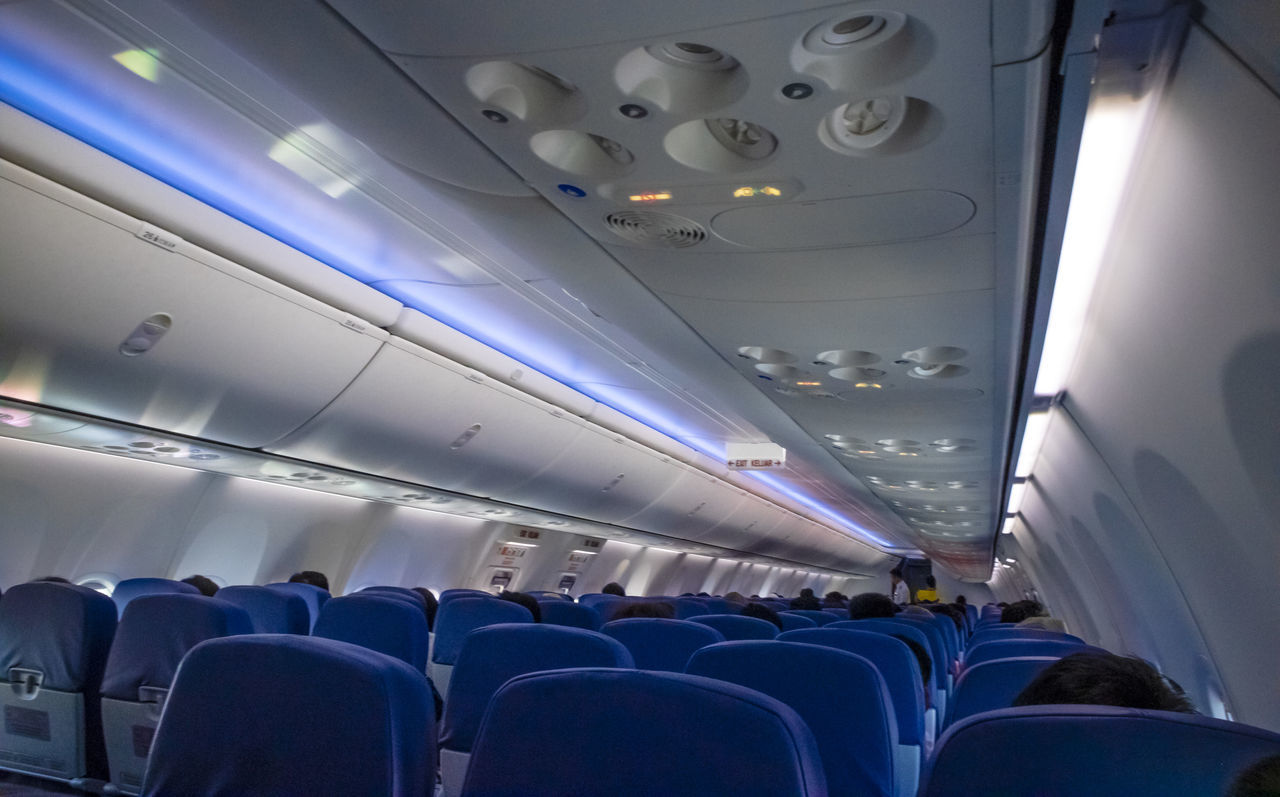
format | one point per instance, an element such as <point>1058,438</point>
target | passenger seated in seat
<point>313,577</point>
<point>647,609</point>
<point>759,610</point>
<point>527,601</point>
<point>205,584</point>
<point>1104,680</point>
<point>945,609</point>
<point>431,604</point>
<point>833,600</point>
<point>1017,612</point>
<point>53,579</point>
<point>806,600</point>
<point>736,599</point>
<point>871,604</point>
<point>613,588</point>
<point>1261,779</point>
<point>1044,621</point>
<point>922,658</point>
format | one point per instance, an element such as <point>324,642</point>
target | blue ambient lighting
<point>193,145</point>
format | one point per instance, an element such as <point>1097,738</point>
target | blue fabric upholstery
<point>313,595</point>
<point>573,615</point>
<point>993,684</point>
<point>271,611</point>
<point>819,617</point>
<point>463,614</point>
<point>885,626</point>
<point>794,622</point>
<point>402,592</point>
<point>659,644</point>
<point>737,627</point>
<point>730,740</point>
<point>896,663</point>
<point>688,607</point>
<point>950,635</point>
<point>156,631</point>
<point>937,645</point>
<point>63,632</point>
<point>131,588</point>
<point>605,605</point>
<point>378,622</point>
<point>722,606</point>
<point>1013,648</point>
<point>495,654</point>
<point>270,714</point>
<point>1002,633</point>
<point>840,696</point>
<point>1093,750</point>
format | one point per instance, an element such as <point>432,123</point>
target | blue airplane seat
<point>54,640</point>
<point>1101,751</point>
<point>731,740</point>
<point>573,615</point>
<point>937,646</point>
<point>736,627</point>
<point>314,596</point>
<point>793,622</point>
<point>902,677</point>
<point>841,697</point>
<point>154,634</point>
<point>660,644</point>
<point>971,613</point>
<point>605,605</point>
<point>131,588</point>
<point>997,634</point>
<point>818,616</point>
<point>717,605</point>
<point>458,617</point>
<point>687,608</point>
<point>546,594</point>
<point>993,684</point>
<point>1013,648</point>
<point>950,636</point>
<point>271,611</point>
<point>937,693</point>
<point>837,612</point>
<point>281,714</point>
<point>495,654</point>
<point>380,622</point>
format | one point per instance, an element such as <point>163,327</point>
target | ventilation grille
<point>656,229</point>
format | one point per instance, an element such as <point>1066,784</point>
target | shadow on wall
<point>1251,396</point>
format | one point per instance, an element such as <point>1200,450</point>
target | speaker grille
<point>656,229</point>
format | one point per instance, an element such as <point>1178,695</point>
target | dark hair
<point>613,588</point>
<point>1259,779</point>
<point>960,600</point>
<point>430,604</point>
<point>806,600</point>
<point>946,610</point>
<point>52,580</point>
<point>922,658</point>
<point>313,577</point>
<point>871,604</point>
<point>205,584</point>
<point>1017,612</point>
<point>527,601</point>
<point>1104,679</point>
<point>897,571</point>
<point>763,612</point>
<point>931,581</point>
<point>646,609</point>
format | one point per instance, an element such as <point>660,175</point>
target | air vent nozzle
<point>656,229</point>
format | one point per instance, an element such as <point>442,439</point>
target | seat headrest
<point>62,631</point>
<point>378,622</point>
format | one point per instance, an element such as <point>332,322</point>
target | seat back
<point>378,622</point>
<point>572,615</point>
<point>885,626</point>
<point>660,644</point>
<point>737,627</point>
<point>793,622</point>
<point>731,740</point>
<point>937,645</point>
<point>287,714</point>
<point>154,634</point>
<point>54,640</point>
<point>687,608</point>
<point>722,606</point>
<point>840,696</point>
<point>132,588</point>
<point>1002,633</point>
<point>1095,750</point>
<point>993,684</point>
<point>270,610</point>
<point>313,595</point>
<point>819,617</point>
<point>459,616</point>
<point>1014,648</point>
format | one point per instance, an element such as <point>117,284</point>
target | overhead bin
<point>690,507</point>
<point>111,316</point>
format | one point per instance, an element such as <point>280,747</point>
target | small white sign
<point>755,456</point>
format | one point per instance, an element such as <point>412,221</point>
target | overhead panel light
<point>1016,493</point>
<point>1033,433</point>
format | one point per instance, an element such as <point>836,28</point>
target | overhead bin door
<point>103,314</point>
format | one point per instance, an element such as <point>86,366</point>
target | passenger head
<point>1260,779</point>
<point>1017,612</point>
<point>429,600</point>
<point>1044,621</point>
<point>762,612</point>
<point>960,600</point>
<point>646,609</point>
<point>613,588</point>
<point>922,659</point>
<point>895,574</point>
<point>736,598</point>
<point>1104,680</point>
<point>205,584</point>
<point>313,577</point>
<point>527,601</point>
<point>941,608</point>
<point>931,581</point>
<point>871,604</point>
<point>52,580</point>
<point>806,593</point>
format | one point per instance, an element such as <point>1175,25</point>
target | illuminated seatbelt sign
<point>755,456</point>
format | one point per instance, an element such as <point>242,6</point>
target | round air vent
<point>656,229</point>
